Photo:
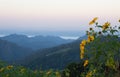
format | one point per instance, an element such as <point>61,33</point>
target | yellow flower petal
<point>83,42</point>
<point>93,21</point>
<point>9,67</point>
<point>82,47</point>
<point>82,54</point>
<point>106,25</point>
<point>91,38</point>
<point>89,74</point>
<point>1,69</point>
<point>85,63</point>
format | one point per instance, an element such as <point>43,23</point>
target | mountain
<point>11,52</point>
<point>83,37</point>
<point>56,58</point>
<point>37,42</point>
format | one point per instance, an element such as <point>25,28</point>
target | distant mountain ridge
<point>56,57</point>
<point>11,52</point>
<point>37,42</point>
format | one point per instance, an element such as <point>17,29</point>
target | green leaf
<point>113,31</point>
<point>104,31</point>
<point>99,26</point>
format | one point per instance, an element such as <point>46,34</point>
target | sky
<point>55,17</point>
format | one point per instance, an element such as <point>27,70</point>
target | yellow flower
<point>83,42</point>
<point>89,74</point>
<point>91,38</point>
<point>88,40</point>
<point>82,47</point>
<point>48,73</point>
<point>82,54</point>
<point>93,21</point>
<point>1,69</point>
<point>9,67</point>
<point>82,51</point>
<point>22,70</point>
<point>57,74</point>
<point>106,25</point>
<point>85,63</point>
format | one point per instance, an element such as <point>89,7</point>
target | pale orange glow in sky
<point>55,15</point>
<point>59,7</point>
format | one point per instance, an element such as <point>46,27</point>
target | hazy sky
<point>67,16</point>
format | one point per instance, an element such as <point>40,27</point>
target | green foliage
<point>73,70</point>
<point>19,71</point>
<point>104,52</point>
<point>104,55</point>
